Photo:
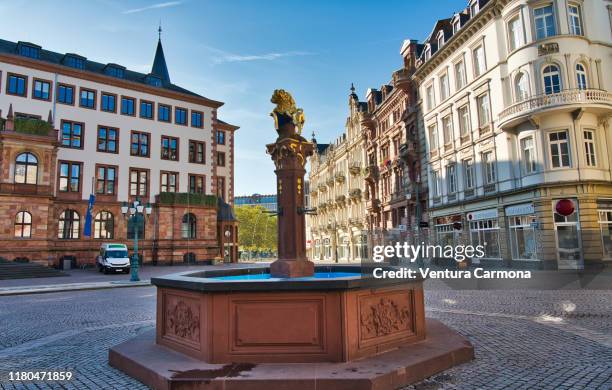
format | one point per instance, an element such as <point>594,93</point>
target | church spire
<point>160,69</point>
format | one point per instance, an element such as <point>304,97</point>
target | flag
<point>88,217</point>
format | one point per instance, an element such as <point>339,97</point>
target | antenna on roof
<point>159,30</point>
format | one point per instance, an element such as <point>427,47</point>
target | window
<point>29,50</point>
<point>168,182</point>
<point>605,225</point>
<point>188,226</point>
<point>220,159</point>
<point>528,151</point>
<point>460,76</point>
<point>444,88</point>
<point>17,85</point>
<point>169,148</point>
<point>490,172</point>
<point>65,94</point>
<point>114,70</point>
<point>196,152</point>
<point>74,62</point>
<point>163,113</point>
<point>128,106</point>
<point>104,225</point>
<point>108,139</point>
<point>473,8</point>
<point>484,116</point>
<point>440,40</point>
<point>456,26</point>
<point>69,225</point>
<point>221,187</point>
<point>146,109</point>
<point>435,182</point>
<point>26,169</point>
<point>544,22</point>
<point>575,19</point>
<point>23,225</point>
<point>552,79</point>
<point>522,237</point>
<point>196,119</point>
<point>581,78</point>
<point>109,102</point>
<point>139,144</point>
<point>464,120</point>
<point>220,137</point>
<point>427,52</point>
<point>515,33</point>
<point>480,65</point>
<point>521,87</point>
<point>72,135</point>
<point>139,182</point>
<point>180,116</point>
<point>433,137</point>
<point>589,147</point>
<point>486,233</point>
<point>69,176</point>
<point>559,149</point>
<point>106,180</point>
<point>88,98</point>
<point>447,130</point>
<point>451,178</point>
<point>468,169</point>
<point>430,97</point>
<point>196,184</point>
<point>42,90</point>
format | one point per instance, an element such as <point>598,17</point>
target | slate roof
<point>159,64</point>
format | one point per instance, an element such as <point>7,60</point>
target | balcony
<point>340,199</point>
<point>340,178</point>
<point>401,79</point>
<point>519,112</point>
<point>370,172</point>
<point>355,193</point>
<point>357,222</point>
<point>330,181</point>
<point>366,120</point>
<point>355,168</point>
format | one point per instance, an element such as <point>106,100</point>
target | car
<point>113,258</point>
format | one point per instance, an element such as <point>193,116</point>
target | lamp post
<point>135,213</point>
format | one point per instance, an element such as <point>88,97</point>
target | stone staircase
<point>17,270</point>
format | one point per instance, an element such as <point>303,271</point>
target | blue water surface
<point>317,275</point>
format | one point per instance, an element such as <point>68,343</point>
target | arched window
<point>581,77</point>
<point>521,87</point>
<point>188,228</point>
<point>104,225</point>
<point>26,169</point>
<point>69,225</point>
<point>552,79</point>
<point>23,224</point>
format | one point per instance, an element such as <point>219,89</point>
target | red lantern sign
<point>564,207</point>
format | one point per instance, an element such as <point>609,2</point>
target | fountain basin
<point>245,316</point>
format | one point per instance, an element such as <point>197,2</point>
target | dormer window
<point>427,52</point>
<point>153,80</point>
<point>456,26</point>
<point>440,39</point>
<point>114,70</point>
<point>473,9</point>
<point>28,50</point>
<point>74,61</point>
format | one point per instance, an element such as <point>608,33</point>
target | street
<point>523,339</point>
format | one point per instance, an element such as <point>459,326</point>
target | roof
<point>321,148</point>
<point>225,125</point>
<point>8,47</point>
<point>159,64</point>
<point>225,212</point>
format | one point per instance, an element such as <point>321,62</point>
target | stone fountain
<point>292,324</point>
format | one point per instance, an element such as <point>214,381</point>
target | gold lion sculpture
<point>285,105</point>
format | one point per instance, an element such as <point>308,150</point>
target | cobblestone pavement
<point>523,339</point>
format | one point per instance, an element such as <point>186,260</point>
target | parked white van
<point>113,258</point>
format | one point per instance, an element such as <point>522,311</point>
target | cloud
<point>153,6</point>
<point>228,57</point>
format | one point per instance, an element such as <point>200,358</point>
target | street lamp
<point>135,213</point>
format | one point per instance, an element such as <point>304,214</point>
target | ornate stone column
<point>289,154</point>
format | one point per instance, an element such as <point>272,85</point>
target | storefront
<point>566,221</point>
<point>604,219</point>
<point>484,230</point>
<point>448,230</point>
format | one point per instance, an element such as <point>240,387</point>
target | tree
<point>257,229</point>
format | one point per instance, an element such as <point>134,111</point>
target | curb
<point>8,291</point>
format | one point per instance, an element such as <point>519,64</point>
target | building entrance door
<point>569,243</point>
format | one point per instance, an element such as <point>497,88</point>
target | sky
<point>239,51</point>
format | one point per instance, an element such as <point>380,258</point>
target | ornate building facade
<point>73,128</point>
<point>516,109</point>
<point>338,232</point>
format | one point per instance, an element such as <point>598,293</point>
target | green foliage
<point>257,229</point>
<point>32,126</point>
<point>184,198</point>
